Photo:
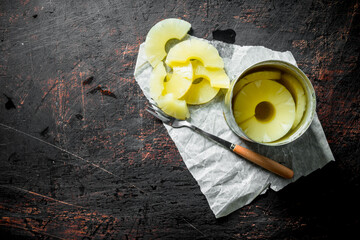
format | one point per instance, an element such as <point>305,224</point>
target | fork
<point>253,157</point>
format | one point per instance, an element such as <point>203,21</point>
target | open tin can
<point>284,67</point>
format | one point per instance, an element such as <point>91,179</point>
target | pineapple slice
<point>173,107</point>
<point>265,110</point>
<point>261,75</point>
<point>297,91</point>
<point>195,49</point>
<point>160,34</point>
<point>200,92</point>
<point>168,76</point>
<point>157,77</point>
<point>218,78</point>
<point>180,80</point>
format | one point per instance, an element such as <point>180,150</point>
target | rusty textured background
<point>81,158</point>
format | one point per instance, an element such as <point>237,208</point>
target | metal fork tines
<point>167,119</point>
<point>176,123</point>
<point>159,116</point>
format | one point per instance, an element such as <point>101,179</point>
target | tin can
<point>284,67</point>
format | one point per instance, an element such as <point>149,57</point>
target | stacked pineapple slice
<point>268,104</point>
<point>297,91</point>
<point>160,34</point>
<point>197,70</point>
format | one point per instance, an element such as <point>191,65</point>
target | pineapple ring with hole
<point>200,92</point>
<point>217,77</point>
<point>180,81</point>
<point>173,107</point>
<point>195,49</point>
<point>260,75</point>
<point>297,91</point>
<point>160,34</point>
<point>157,77</point>
<point>265,110</point>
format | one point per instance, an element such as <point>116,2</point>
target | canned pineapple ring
<point>258,114</point>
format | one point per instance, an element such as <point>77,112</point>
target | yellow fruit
<point>217,77</point>
<point>195,49</point>
<point>180,80</point>
<point>157,77</point>
<point>297,91</point>
<point>160,34</point>
<point>173,107</point>
<point>200,92</point>
<point>260,75</point>
<point>168,76</point>
<point>265,110</point>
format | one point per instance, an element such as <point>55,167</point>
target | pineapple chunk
<point>265,110</point>
<point>160,34</point>
<point>297,91</point>
<point>157,77</point>
<point>218,78</point>
<point>195,49</point>
<point>261,75</point>
<point>200,92</point>
<point>173,107</point>
<point>180,80</point>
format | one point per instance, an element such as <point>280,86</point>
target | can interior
<point>308,90</point>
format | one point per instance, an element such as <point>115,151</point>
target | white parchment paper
<point>228,181</point>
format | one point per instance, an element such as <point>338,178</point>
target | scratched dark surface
<point>82,159</point>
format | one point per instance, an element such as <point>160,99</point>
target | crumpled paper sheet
<point>228,181</point>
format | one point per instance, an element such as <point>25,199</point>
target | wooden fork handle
<point>264,162</point>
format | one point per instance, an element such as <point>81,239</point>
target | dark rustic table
<point>81,158</point>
